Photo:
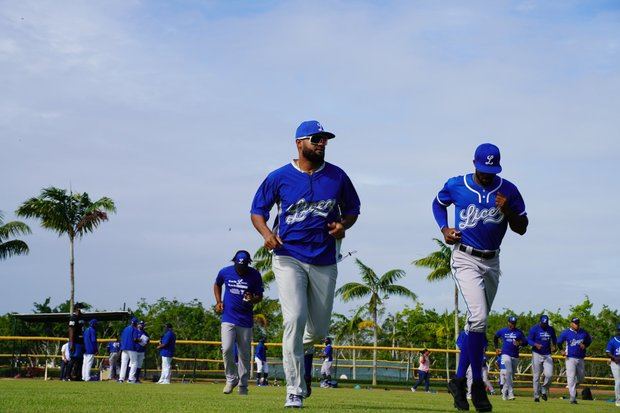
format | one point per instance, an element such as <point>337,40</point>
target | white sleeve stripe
<point>439,200</point>
<point>522,213</point>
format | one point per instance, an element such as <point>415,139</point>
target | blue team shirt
<point>261,352</point>
<point>509,340</point>
<point>306,204</point>
<point>573,339</point>
<point>90,341</point>
<point>328,352</point>
<point>613,347</point>
<point>114,347</point>
<point>236,311</point>
<point>482,225</point>
<point>544,336</point>
<point>169,341</point>
<point>129,334</point>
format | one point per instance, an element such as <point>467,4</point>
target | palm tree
<point>349,329</point>
<point>73,214</point>
<point>439,263</point>
<point>11,229</point>
<point>378,289</point>
<point>262,262</point>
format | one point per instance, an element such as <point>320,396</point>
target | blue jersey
<point>511,340</point>
<point>114,347</point>
<point>128,337</point>
<point>306,204</point>
<point>613,347</point>
<point>544,336</point>
<point>261,352</point>
<point>481,224</point>
<point>169,341</point>
<point>328,352</point>
<point>90,341</point>
<point>573,339</point>
<point>237,311</point>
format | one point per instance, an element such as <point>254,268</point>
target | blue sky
<point>177,111</point>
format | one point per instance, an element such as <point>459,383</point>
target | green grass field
<point>39,396</point>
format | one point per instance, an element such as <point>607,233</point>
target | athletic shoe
<point>573,402</point>
<point>308,380</point>
<point>536,399</point>
<point>120,381</point>
<point>618,403</point>
<point>544,396</point>
<point>243,391</point>
<point>295,401</point>
<point>457,387</point>
<point>228,388</point>
<point>413,389</point>
<point>479,397</point>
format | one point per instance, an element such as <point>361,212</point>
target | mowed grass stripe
<point>41,396</point>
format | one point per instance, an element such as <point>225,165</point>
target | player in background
<point>76,343</point>
<point>512,339</point>
<point>501,379</point>
<point>316,203</point>
<point>485,206</point>
<point>129,356</point>
<point>613,352</point>
<point>65,356</point>
<point>91,348</point>
<point>166,349</point>
<point>424,367</point>
<point>262,369</point>
<point>243,288</point>
<point>114,351</point>
<point>577,341</point>
<point>326,366</point>
<point>543,340</point>
<point>143,341</point>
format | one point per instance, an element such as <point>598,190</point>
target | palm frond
<point>439,274</point>
<point>13,247</point>
<point>351,291</point>
<point>13,229</point>
<point>368,274</point>
<point>400,291</point>
<point>389,277</point>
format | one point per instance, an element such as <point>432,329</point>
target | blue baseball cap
<point>544,319</point>
<point>93,322</point>
<point>312,127</point>
<point>134,320</point>
<point>575,320</point>
<point>512,319</point>
<point>242,257</point>
<point>486,159</point>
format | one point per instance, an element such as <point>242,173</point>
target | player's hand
<point>563,353</point>
<point>538,346</point>
<point>582,346</point>
<point>248,296</point>
<point>272,241</point>
<point>451,235</point>
<point>219,307</point>
<point>501,202</point>
<point>71,348</point>
<point>554,348</point>
<point>498,352</point>
<point>336,230</point>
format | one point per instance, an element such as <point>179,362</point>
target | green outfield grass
<point>40,396</point>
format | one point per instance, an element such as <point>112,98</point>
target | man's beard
<point>314,157</point>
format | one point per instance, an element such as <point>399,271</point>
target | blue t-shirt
<point>328,352</point>
<point>481,224</point>
<point>573,339</point>
<point>169,341</point>
<point>306,204</point>
<point>544,336</point>
<point>613,347</point>
<point>236,311</point>
<point>114,347</point>
<point>90,341</point>
<point>261,352</point>
<point>129,334</point>
<point>509,339</point>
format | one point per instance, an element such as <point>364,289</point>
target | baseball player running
<point>577,341</point>
<point>485,205</point>
<point>613,351</point>
<point>244,288</point>
<point>512,339</point>
<point>543,341</point>
<point>317,203</point>
<point>326,366</point>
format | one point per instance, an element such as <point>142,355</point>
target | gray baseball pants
<point>485,379</point>
<point>242,337</point>
<point>477,280</point>
<point>541,364</point>
<point>575,373</point>
<point>306,295</point>
<point>511,364</point>
<point>615,370</point>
